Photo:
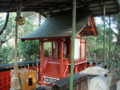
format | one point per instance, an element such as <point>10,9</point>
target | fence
<point>80,81</point>
<point>5,77</point>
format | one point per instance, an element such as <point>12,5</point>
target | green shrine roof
<point>59,26</point>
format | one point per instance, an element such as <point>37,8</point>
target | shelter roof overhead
<point>52,7</point>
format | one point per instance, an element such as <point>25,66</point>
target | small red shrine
<point>57,30</point>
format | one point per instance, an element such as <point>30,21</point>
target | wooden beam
<point>25,4</point>
<point>6,2</point>
<point>53,5</point>
<point>61,58</point>
<point>100,5</point>
<point>93,25</point>
<point>96,1</point>
<point>106,10</point>
<point>42,60</point>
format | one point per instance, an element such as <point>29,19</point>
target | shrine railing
<point>5,70</point>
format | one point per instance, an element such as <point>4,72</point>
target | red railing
<point>5,75</point>
<point>5,80</point>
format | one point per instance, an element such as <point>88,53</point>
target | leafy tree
<point>116,22</point>
<point>29,50</point>
<point>95,44</point>
<point>8,32</point>
<point>7,38</point>
<point>6,53</point>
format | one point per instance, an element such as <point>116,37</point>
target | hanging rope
<point>15,81</point>
<point>104,12</point>
<point>16,37</point>
<point>19,19</point>
<point>18,12</point>
<point>5,25</point>
<point>19,9</point>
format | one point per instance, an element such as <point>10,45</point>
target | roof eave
<point>41,38</point>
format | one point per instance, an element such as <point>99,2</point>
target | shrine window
<point>47,49</point>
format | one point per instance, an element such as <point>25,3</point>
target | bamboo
<point>109,44</point>
<point>73,42</point>
<point>104,12</point>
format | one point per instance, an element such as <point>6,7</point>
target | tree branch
<point>110,27</point>
<point>6,21</point>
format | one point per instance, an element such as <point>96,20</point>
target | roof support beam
<point>96,1</point>
<point>25,4</point>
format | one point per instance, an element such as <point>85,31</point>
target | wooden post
<point>52,51</point>
<point>85,49</point>
<point>70,49</point>
<point>42,60</point>
<point>80,48</point>
<point>61,59</point>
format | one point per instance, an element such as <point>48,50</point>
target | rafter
<point>48,7</point>
<point>25,4</point>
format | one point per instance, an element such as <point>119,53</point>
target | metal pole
<point>109,44</point>
<point>73,41</point>
<point>104,11</point>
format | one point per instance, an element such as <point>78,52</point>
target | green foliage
<point>30,23</point>
<point>29,50</point>
<point>95,44</point>
<point>47,49</point>
<point>115,61</point>
<point>6,53</point>
<point>26,50</point>
<point>9,31</point>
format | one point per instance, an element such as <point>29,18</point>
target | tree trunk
<point>118,37</point>
<point>1,43</point>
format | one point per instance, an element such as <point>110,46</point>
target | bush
<point>29,50</point>
<point>6,53</point>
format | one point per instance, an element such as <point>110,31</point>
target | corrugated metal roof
<point>59,26</point>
